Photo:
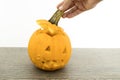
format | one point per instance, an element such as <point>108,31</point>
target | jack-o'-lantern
<point>49,47</point>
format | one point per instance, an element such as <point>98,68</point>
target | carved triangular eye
<point>48,48</point>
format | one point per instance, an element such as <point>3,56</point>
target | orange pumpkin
<point>49,47</point>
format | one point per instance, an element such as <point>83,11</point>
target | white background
<point>96,28</point>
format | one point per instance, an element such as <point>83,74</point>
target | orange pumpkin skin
<point>49,48</point>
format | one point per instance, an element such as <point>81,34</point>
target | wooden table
<point>85,64</point>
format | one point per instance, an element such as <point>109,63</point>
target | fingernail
<point>61,8</point>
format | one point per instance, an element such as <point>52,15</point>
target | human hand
<point>72,8</point>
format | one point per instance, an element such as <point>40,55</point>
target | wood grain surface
<point>85,64</point>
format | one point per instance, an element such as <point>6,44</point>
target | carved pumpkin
<point>49,47</point>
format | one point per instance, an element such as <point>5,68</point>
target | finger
<point>60,4</point>
<point>72,12</point>
<point>65,5</point>
<point>69,7</point>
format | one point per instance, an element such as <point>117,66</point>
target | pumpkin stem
<point>56,17</point>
